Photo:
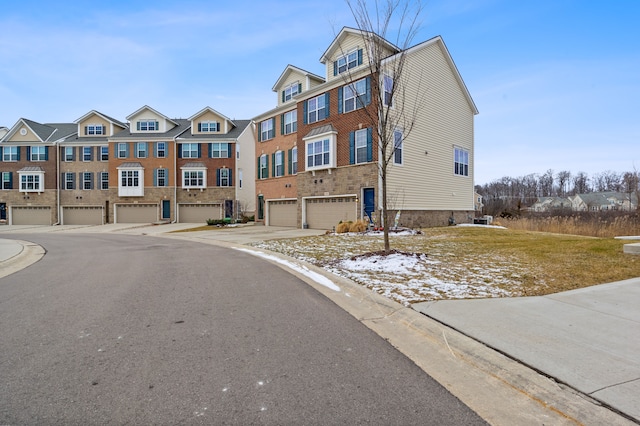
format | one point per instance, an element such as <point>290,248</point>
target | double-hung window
<point>224,177</point>
<point>190,150</point>
<point>87,180</point>
<point>290,122</point>
<point>294,161</point>
<point>290,91</point>
<point>104,153</point>
<point>267,130</point>
<point>318,153</point>
<point>121,149</point>
<point>161,177</point>
<point>193,178</point>
<point>361,146</point>
<point>38,153</point>
<point>161,149</point>
<point>95,129</point>
<point>69,153</point>
<point>387,84</point>
<point>316,109</point>
<point>147,125</point>
<point>11,153</point>
<point>461,162</point>
<point>397,146</point>
<point>209,126</point>
<point>86,153</point>
<point>104,180</point>
<point>141,150</point>
<point>219,150</point>
<point>354,95</point>
<point>7,181</point>
<point>69,181</point>
<point>348,61</point>
<point>263,167</point>
<point>278,163</point>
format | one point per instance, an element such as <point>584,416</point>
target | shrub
<point>358,226</point>
<point>343,227</point>
<point>216,222</point>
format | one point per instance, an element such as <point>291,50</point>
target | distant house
<point>477,202</point>
<point>545,204</point>
<point>602,201</point>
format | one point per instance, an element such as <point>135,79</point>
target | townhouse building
<point>335,142</point>
<point>150,169</point>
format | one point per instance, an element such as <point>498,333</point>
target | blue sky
<point>557,82</point>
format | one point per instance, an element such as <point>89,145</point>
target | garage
<point>82,215</point>
<point>199,213</point>
<point>326,213</point>
<point>136,213</point>
<point>30,215</point>
<point>282,213</point>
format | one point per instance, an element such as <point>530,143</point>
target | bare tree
<point>381,23</point>
<point>563,178</point>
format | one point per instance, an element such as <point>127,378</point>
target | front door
<point>166,209</point>
<point>3,211</point>
<point>228,208</point>
<point>368,203</point>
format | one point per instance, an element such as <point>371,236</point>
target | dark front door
<point>368,203</point>
<point>228,208</point>
<point>3,211</point>
<point>166,209</point>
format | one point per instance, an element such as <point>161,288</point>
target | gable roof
<point>348,31</point>
<point>50,132</point>
<point>106,117</point>
<point>181,126</point>
<point>290,69</point>
<point>209,109</point>
<point>240,126</point>
<point>147,107</point>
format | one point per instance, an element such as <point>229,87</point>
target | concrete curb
<point>27,256</point>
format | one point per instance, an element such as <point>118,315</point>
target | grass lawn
<point>466,262</point>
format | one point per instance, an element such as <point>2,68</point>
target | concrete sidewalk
<point>588,339</point>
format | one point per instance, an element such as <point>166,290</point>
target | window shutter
<point>266,157</point>
<point>283,96</point>
<point>63,183</point>
<point>273,164</point>
<point>367,98</point>
<point>126,150</point>
<point>229,152</point>
<point>91,181</point>
<point>282,124</point>
<point>359,56</point>
<point>304,112</point>
<point>259,132</point>
<point>0,153</point>
<point>28,153</point>
<point>86,130</point>
<point>10,180</point>
<point>340,99</point>
<point>352,147</point>
<point>335,68</point>
<point>46,153</point>
<point>138,125</point>
<point>230,177</point>
<point>217,177</point>
<point>179,148</point>
<point>199,127</point>
<point>157,126</point>
<point>299,87</point>
<point>199,150</point>
<point>19,149</point>
<point>104,130</point>
<point>290,167</point>
<point>91,155</point>
<point>210,150</point>
<point>258,174</point>
<point>272,132</point>
<point>155,177</point>
<point>370,144</point>
<point>217,127</point>
<point>326,105</point>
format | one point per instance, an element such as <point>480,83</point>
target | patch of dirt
<point>386,253</point>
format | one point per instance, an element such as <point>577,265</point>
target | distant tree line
<point>512,195</point>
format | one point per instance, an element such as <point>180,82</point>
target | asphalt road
<point>120,329</point>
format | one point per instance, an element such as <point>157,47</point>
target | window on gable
<point>190,150</point>
<point>11,153</point>
<point>7,180</point>
<point>38,153</point>
<point>95,129</point>
<point>290,122</point>
<point>397,146</point>
<point>348,61</point>
<point>86,153</point>
<point>316,109</point>
<point>209,126</point>
<point>147,126</point>
<point>194,178</point>
<point>387,84</point>
<point>267,130</point>
<point>220,150</point>
<point>461,162</point>
<point>290,91</point>
<point>278,163</point>
<point>104,153</point>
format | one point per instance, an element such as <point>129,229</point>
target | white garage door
<point>199,213</point>
<point>81,215</point>
<point>326,213</point>
<point>29,215</point>
<point>136,213</point>
<point>283,213</point>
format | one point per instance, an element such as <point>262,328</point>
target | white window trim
<point>219,151</point>
<point>103,153</point>
<point>90,153</point>
<point>40,185</point>
<point>294,160</point>
<point>103,180</point>
<point>279,162</point>
<point>133,190</point>
<point>292,116</point>
<point>191,151</point>
<point>95,128</point>
<point>345,57</point>
<point>226,172</point>
<point>316,110</point>
<point>465,150</point>
<point>290,91</point>
<point>401,145</point>
<point>263,166</point>
<point>196,170</point>
<point>163,150</point>
<point>39,154</point>
<point>10,154</point>
<point>332,137</point>
<point>353,87</point>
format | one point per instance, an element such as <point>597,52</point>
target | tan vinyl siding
<point>208,116</point>
<point>446,120</point>
<point>94,119</point>
<point>349,43</point>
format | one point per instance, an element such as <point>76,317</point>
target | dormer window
<point>290,91</point>
<point>350,60</point>
<point>209,126</point>
<point>147,126</point>
<point>94,129</point>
